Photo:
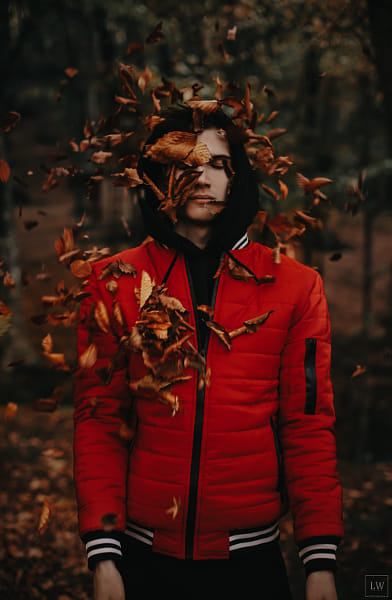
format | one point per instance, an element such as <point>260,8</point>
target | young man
<point>218,359</point>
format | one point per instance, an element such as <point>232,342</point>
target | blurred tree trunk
<point>380,16</point>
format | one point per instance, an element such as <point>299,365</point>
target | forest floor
<point>36,459</point>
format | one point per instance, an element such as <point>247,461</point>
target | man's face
<point>210,190</point>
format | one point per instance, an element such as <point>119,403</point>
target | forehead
<point>216,142</point>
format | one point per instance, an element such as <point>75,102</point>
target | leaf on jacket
<point>117,269</point>
<point>171,303</point>
<point>89,357</point>
<point>112,286</point>
<point>101,316</point>
<point>174,509</point>
<point>250,325</point>
<point>207,310</point>
<point>239,272</point>
<point>117,313</point>
<point>220,332</point>
<point>44,518</point>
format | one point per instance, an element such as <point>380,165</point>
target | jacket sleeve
<point>100,451</point>
<point>306,432</point>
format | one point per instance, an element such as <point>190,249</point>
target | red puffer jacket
<point>264,428</point>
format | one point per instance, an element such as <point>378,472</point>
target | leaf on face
<point>10,411</point>
<point>171,147</point>
<point>173,510</point>
<point>205,106</point>
<point>144,79</point>
<point>89,357</point>
<point>81,268</point>
<point>199,155</point>
<point>5,171</point>
<point>101,316</point>
<point>220,332</point>
<point>146,287</point>
<point>44,519</point>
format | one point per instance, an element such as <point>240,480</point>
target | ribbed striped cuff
<point>102,545</point>
<point>318,553</point>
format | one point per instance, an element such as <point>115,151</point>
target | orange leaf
<point>44,518</point>
<point>146,288</point>
<point>9,281</point>
<point>284,190</point>
<point>47,343</point>
<point>89,357</point>
<point>10,410</point>
<point>81,268</point>
<point>144,79</point>
<point>5,171</point>
<point>70,72</point>
<point>359,370</point>
<point>101,316</point>
<point>101,157</point>
<point>173,510</point>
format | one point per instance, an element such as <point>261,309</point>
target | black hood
<point>242,203</point>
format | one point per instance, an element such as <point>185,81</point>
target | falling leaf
<point>9,281</point>
<point>279,224</point>
<point>311,185</point>
<point>101,157</point>
<point>128,178</point>
<point>274,133</point>
<point>134,48</point>
<point>284,190</point>
<point>173,510</point>
<point>71,72</point>
<point>45,516</point>
<point>10,411</point>
<point>81,268</point>
<point>144,79</point>
<point>156,35</point>
<point>47,343</point>
<point>57,360</point>
<point>5,171</point>
<point>145,288</point>
<point>53,453</point>
<point>8,121</point>
<point>205,309</point>
<point>232,33</point>
<point>89,357</point>
<point>359,370</point>
<point>272,116</point>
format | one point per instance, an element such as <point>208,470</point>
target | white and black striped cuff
<point>102,545</point>
<point>247,538</point>
<point>142,534</point>
<point>242,242</point>
<point>318,553</point>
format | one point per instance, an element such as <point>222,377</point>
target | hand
<point>108,583</point>
<point>320,585</point>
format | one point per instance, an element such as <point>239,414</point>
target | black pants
<point>259,573</point>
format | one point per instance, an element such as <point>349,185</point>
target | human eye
<point>217,162</point>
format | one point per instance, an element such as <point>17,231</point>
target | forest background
<point>327,69</point>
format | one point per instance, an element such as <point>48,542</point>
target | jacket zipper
<point>197,428</point>
<point>279,487</point>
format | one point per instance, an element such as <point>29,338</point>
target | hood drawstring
<point>169,270</point>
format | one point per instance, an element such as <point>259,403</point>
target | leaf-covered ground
<point>36,463</point>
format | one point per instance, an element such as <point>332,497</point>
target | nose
<point>203,178</point>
